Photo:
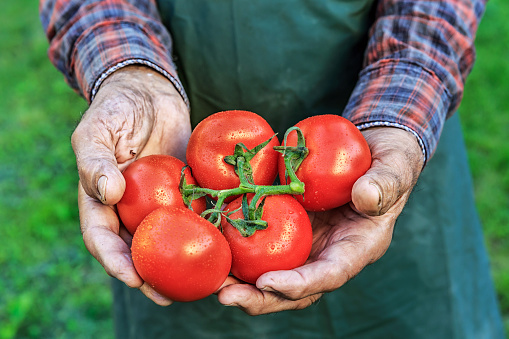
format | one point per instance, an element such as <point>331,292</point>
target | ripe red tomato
<point>152,182</point>
<point>181,255</point>
<point>338,156</point>
<point>216,136</point>
<point>285,244</point>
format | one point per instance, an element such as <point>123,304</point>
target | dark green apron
<point>287,60</point>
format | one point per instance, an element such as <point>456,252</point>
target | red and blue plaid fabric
<point>418,56</point>
<point>91,39</point>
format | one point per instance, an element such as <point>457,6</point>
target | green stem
<point>293,157</point>
<point>295,187</point>
<point>242,176</point>
<point>290,171</point>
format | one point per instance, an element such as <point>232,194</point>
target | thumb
<point>376,191</point>
<point>97,166</point>
<point>397,163</point>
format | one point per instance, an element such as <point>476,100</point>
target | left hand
<point>345,239</point>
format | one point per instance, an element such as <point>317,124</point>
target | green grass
<point>50,287</point>
<point>485,120</point>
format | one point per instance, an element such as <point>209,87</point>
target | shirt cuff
<point>125,63</point>
<point>403,94</point>
<point>99,52</point>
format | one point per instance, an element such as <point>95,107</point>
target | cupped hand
<point>345,239</point>
<point>136,112</point>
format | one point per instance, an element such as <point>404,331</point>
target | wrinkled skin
<point>345,239</point>
<point>136,112</point>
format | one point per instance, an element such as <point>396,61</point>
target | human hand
<point>136,112</point>
<point>345,239</point>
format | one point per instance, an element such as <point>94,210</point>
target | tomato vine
<point>240,160</point>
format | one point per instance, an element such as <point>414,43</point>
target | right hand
<point>136,112</point>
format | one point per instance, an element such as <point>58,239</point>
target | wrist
<point>140,73</point>
<point>136,75</point>
<point>400,94</point>
<point>140,83</point>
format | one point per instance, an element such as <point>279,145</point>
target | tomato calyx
<point>243,168</point>
<point>252,220</point>
<point>252,211</point>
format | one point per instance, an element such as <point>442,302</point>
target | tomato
<point>181,255</point>
<point>285,244</point>
<point>152,182</point>
<point>215,137</point>
<point>338,156</point>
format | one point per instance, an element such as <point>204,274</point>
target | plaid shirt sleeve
<point>90,39</point>
<point>418,57</point>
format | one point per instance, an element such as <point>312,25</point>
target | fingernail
<point>379,205</point>
<point>230,305</point>
<point>267,289</point>
<point>101,187</point>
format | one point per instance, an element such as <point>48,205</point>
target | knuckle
<point>311,300</point>
<point>88,239</point>
<point>78,135</point>
<point>294,294</point>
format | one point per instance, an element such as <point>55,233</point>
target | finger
<point>397,162</point>
<point>377,191</point>
<point>367,195</point>
<point>381,187</point>
<point>97,165</point>
<point>100,228</point>
<point>230,280</point>
<point>298,288</point>
<point>150,293</point>
<point>348,250</point>
<point>256,302</point>
<point>310,279</point>
<point>125,235</point>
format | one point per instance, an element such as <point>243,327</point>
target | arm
<point>416,63</point>
<point>91,39</point>
<point>117,55</point>
<point>418,57</point>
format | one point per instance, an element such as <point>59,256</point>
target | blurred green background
<point>50,287</point>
